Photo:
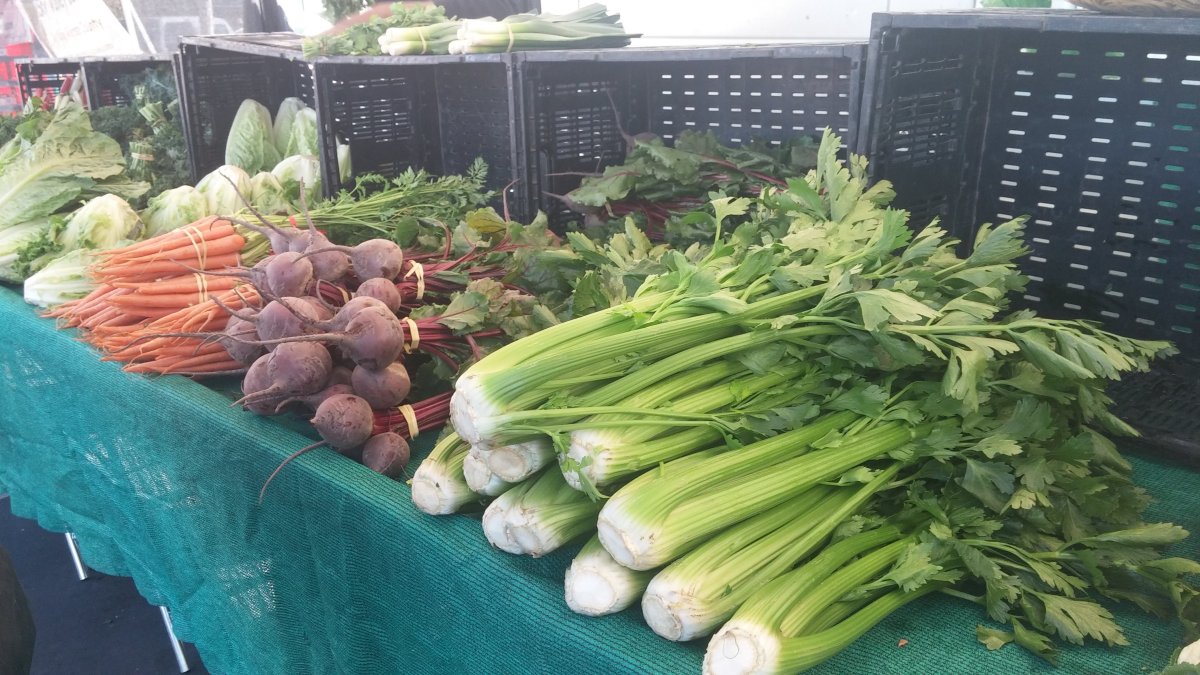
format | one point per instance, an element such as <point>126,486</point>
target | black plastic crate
<point>99,75</point>
<point>1084,122</point>
<point>215,80</point>
<point>775,92</point>
<point>436,113</point>
<point>47,74</point>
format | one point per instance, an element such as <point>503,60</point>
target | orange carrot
<point>158,301</point>
<point>164,268</point>
<point>202,360</point>
<point>191,283</point>
<point>231,243</point>
<point>163,241</point>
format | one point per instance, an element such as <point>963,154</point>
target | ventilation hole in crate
<point>1115,294</point>
<point>1032,298</point>
<point>1047,223</point>
<point>1015,151</point>
<point>1110,77</point>
<point>1075,287</point>
<point>1122,254</point>
<point>1189,287</point>
<point>1045,205</point>
<point>1125,234</point>
<point>1028,50</point>
<point>1186,106</point>
<point>689,77</point>
<point>1067,75</point>
<point>1147,101</point>
<point>1091,194</point>
<point>1090,212</point>
<point>1019,113</point>
<point>1160,261</point>
<point>1145,124</point>
<point>1152,80</point>
<point>756,77</point>
<point>1064,97</point>
<point>1070,52</point>
<point>1170,186</point>
<point>1003,216</point>
<point>738,77</point>
<point>1009,183</point>
<point>1097,159</point>
<point>1061,117</point>
<point>1047,188</point>
<point>1041,241</point>
<point>1183,127</point>
<point>1152,280</point>
<point>1008,200</point>
<point>1140,144</point>
<point>1160,221</point>
<point>1011,167</point>
<point>736,110</point>
<point>1127,216</point>
<point>1135,200</point>
<point>774,111</point>
<point>1058,137</point>
<point>1110,315</point>
<point>715,76</point>
<point>1055,155</point>
<point>1035,278</point>
<point>1169,205</point>
<point>1118,273</point>
<point>1021,93</point>
<point>1140,165</point>
<point>1134,181</point>
<point>1016,132</point>
<point>1149,301</point>
<point>1185,308</point>
<point>1190,83</point>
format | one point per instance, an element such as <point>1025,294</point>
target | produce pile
<point>776,440</point>
<point>363,38</point>
<point>55,163</point>
<point>427,30</point>
<point>659,186</point>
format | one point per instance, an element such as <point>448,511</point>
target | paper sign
<point>69,28</point>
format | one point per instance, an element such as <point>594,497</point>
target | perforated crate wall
<point>45,74</point>
<point>433,114</point>
<point>100,77</point>
<point>737,93</point>
<point>1089,127</point>
<point>216,81</point>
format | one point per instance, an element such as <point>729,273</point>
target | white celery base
<point>672,610</point>
<point>496,531</point>
<point>623,541</point>
<point>436,492</point>
<point>742,648</point>
<point>518,461</point>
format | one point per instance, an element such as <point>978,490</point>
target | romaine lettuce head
<point>13,239</point>
<point>283,122</point>
<point>303,139</point>
<point>100,224</point>
<point>222,197</point>
<point>292,171</point>
<point>250,137</point>
<point>266,194</point>
<point>63,279</point>
<point>173,209</point>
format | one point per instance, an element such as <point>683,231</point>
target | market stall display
<point>743,401</point>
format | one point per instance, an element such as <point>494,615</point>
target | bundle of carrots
<point>158,286</point>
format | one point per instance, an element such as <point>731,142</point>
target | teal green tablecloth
<point>337,572</point>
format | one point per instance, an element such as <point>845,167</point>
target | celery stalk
<point>648,524</point>
<point>597,586</point>
<point>698,592</point>
<point>480,478</point>
<point>494,527</point>
<point>607,454</point>
<point>439,486</point>
<point>549,514</point>
<point>743,647</point>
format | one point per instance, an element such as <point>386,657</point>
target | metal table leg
<point>80,568</point>
<point>175,643</point>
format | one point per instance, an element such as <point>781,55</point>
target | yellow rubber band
<point>141,156</point>
<point>418,270</point>
<point>414,335</point>
<point>201,251</point>
<point>410,416</point>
